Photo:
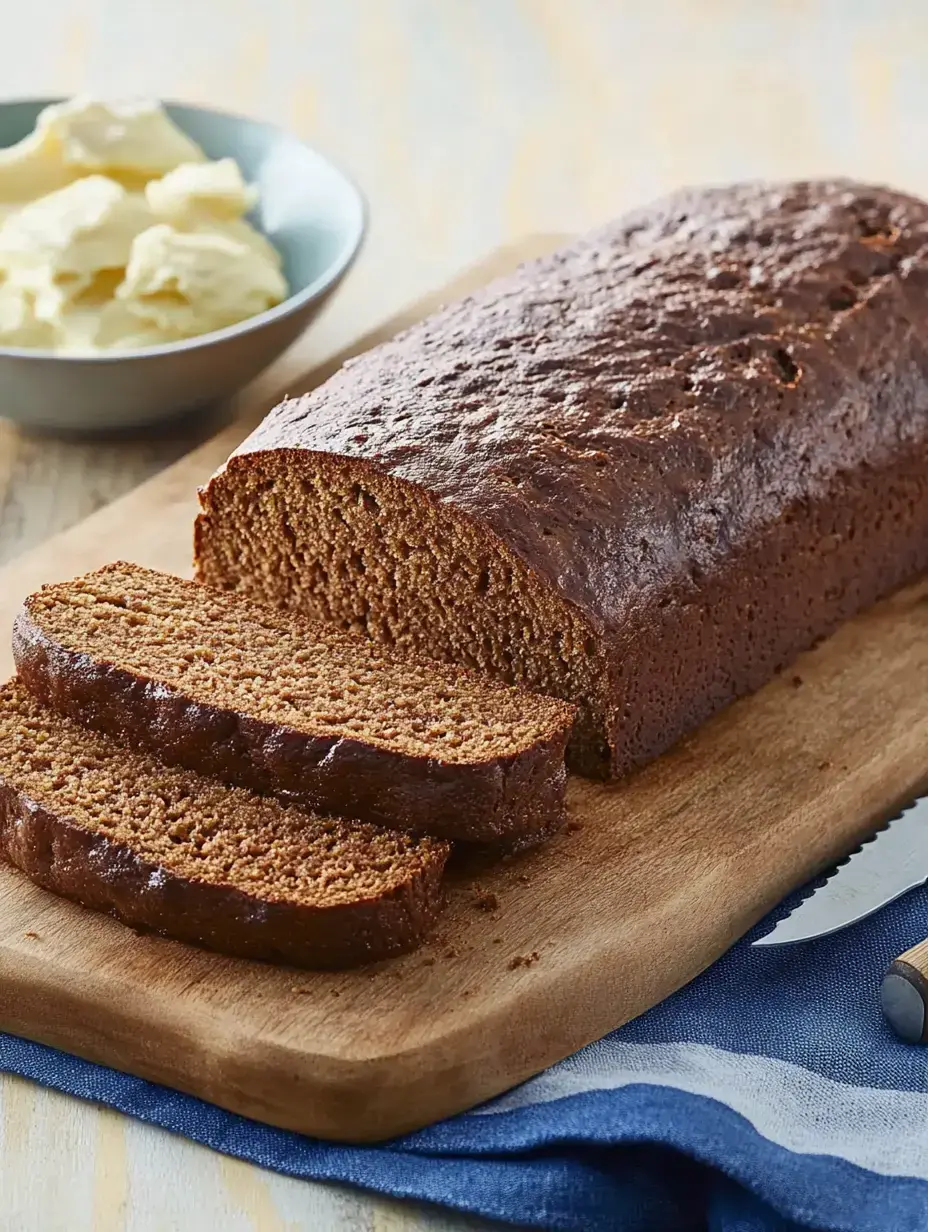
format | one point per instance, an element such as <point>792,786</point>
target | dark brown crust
<point>88,868</point>
<point>702,428</point>
<point>517,800</point>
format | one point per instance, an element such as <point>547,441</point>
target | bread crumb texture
<point>223,651</point>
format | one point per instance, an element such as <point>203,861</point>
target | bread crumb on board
<point>484,900</point>
<point>35,936</point>
<point>523,960</point>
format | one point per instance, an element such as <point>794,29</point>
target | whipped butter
<point>116,231</point>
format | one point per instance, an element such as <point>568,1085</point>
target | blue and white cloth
<point>767,1096</point>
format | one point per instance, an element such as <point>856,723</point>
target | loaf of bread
<point>313,716</point>
<point>168,851</point>
<point>641,474</point>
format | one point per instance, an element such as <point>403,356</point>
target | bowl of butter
<point>154,258</point>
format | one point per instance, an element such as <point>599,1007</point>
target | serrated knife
<point>886,866</point>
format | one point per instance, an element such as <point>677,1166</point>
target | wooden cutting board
<point>533,958</point>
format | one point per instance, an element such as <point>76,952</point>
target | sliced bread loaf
<point>302,711</point>
<point>642,473</point>
<point>166,850</point>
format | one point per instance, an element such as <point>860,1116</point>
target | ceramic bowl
<point>309,210</point>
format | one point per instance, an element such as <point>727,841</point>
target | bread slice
<point>166,850</point>
<point>302,711</point>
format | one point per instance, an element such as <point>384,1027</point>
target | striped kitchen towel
<point>766,1096</point>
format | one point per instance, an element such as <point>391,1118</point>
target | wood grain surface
<point>467,125</point>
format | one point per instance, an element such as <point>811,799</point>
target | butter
<point>134,137</point>
<point>186,283</point>
<point>19,326</point>
<point>241,229</point>
<point>54,247</point>
<point>32,167</point>
<point>116,231</point>
<point>131,140</point>
<point>194,192</point>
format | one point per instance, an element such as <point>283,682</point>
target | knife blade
<point>886,866</point>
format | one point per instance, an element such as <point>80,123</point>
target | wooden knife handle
<point>904,995</point>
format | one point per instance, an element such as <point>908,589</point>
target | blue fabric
<point>767,1096</point>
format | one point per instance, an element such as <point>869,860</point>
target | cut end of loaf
<point>333,538</point>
